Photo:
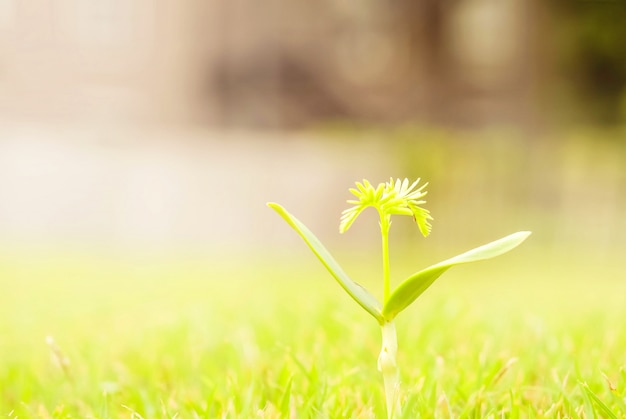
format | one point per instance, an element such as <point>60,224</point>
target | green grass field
<point>533,334</point>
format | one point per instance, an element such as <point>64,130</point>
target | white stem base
<point>388,367</point>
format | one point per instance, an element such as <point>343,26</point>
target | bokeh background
<point>141,139</point>
<point>150,127</point>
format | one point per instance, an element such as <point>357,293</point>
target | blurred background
<point>150,126</point>
<point>141,139</point>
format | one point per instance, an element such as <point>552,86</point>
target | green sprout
<point>392,198</point>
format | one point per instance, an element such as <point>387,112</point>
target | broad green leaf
<point>416,284</point>
<point>356,291</point>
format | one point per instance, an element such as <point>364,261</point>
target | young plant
<point>392,198</point>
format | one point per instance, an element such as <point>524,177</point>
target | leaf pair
<point>410,288</point>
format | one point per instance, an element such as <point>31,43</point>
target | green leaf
<point>356,291</point>
<point>394,197</point>
<point>416,284</point>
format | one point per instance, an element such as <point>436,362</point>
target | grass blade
<point>602,408</point>
<point>356,291</point>
<point>419,282</point>
<point>285,403</point>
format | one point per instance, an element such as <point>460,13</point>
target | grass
<point>185,338</point>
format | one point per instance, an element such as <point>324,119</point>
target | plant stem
<point>388,367</point>
<point>385,224</point>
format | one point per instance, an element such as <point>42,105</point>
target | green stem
<point>388,367</point>
<point>385,224</point>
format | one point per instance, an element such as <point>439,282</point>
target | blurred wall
<point>293,63</point>
<point>452,62</point>
<point>109,61</point>
<point>173,189</point>
<point>78,77</point>
<point>274,64</point>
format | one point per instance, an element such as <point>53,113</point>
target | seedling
<point>392,198</point>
